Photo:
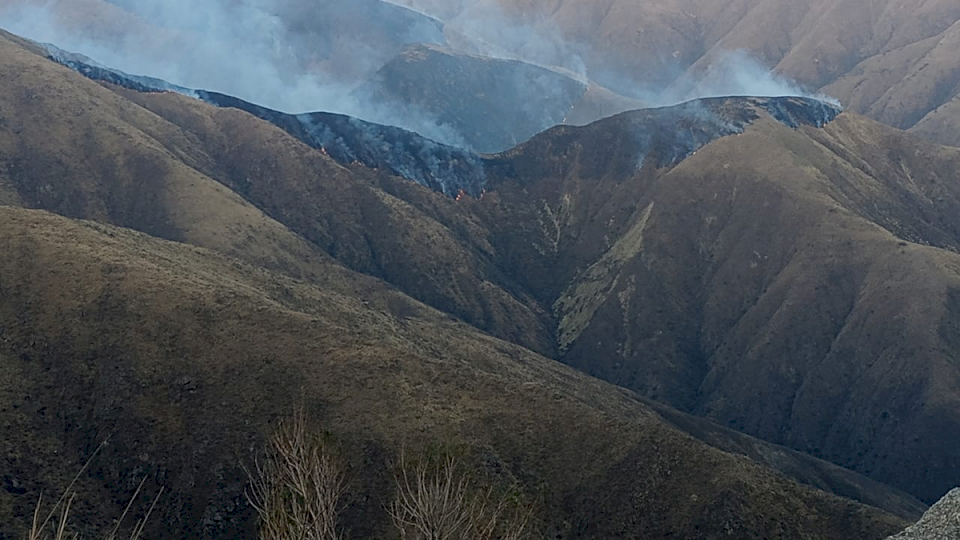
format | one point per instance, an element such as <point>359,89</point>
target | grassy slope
<point>242,187</point>
<point>795,284</point>
<point>182,358</point>
<point>942,124</point>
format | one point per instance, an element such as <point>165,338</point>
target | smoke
<point>300,56</point>
<point>736,73</point>
<point>491,31</point>
<point>192,44</point>
<point>291,56</point>
<point>487,30</point>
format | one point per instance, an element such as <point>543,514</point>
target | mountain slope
<point>182,357</point>
<point>559,246</point>
<point>152,175</point>
<point>942,124</point>
<point>795,283</point>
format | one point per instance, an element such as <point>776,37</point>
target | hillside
<point>264,269</point>
<point>113,334</point>
<point>942,124</point>
<point>941,522</point>
<point>795,283</point>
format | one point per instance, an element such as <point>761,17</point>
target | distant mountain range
<point>889,60</point>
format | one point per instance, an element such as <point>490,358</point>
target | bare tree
<point>296,489</point>
<point>435,501</point>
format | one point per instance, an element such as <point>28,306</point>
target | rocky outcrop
<point>941,522</point>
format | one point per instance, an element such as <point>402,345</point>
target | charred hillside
<point>348,140</point>
<point>661,138</point>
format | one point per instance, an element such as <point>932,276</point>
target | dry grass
<point>296,490</point>
<point>61,509</point>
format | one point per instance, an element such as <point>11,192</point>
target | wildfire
<point>462,194</point>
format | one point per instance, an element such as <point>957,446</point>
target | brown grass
<point>58,527</point>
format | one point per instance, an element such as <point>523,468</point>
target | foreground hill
<point>941,522</point>
<point>182,358</point>
<point>259,275</point>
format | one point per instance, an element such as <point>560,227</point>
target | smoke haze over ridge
<point>297,56</point>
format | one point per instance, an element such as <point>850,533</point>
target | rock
<point>940,522</point>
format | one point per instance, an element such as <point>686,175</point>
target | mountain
<point>177,274</point>
<point>604,247</point>
<point>892,61</point>
<point>493,104</point>
<point>795,280</point>
<point>941,522</point>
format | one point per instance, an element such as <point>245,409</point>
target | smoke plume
<point>297,56</point>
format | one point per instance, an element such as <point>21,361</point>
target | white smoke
<point>736,73</point>
<point>243,48</point>
<point>265,51</point>
<point>537,40</point>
